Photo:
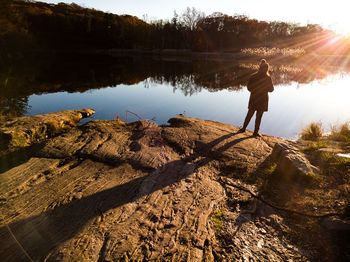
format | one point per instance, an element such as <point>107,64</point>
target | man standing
<point>259,85</point>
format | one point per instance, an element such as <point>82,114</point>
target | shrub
<point>312,132</point>
<point>341,133</point>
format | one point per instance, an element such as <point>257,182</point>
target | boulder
<point>290,161</point>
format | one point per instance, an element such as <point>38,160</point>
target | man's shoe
<point>242,130</point>
<point>256,134</point>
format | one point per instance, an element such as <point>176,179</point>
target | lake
<point>157,90</point>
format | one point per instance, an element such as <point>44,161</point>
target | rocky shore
<point>194,190</point>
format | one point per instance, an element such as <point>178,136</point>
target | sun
<point>342,30</point>
<point>341,26</point>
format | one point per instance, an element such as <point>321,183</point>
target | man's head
<point>264,66</point>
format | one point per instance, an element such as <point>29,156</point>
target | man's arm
<point>270,89</point>
<point>249,86</point>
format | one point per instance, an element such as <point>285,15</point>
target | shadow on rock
<point>40,234</point>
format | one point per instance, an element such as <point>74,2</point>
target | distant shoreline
<point>180,55</point>
<point>189,55</point>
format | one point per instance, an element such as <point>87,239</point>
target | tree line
<point>30,25</point>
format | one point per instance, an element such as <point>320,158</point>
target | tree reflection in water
<point>78,73</point>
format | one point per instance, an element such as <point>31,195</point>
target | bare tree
<point>191,17</point>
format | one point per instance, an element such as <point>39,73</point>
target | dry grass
<point>312,132</point>
<point>287,69</point>
<point>340,133</point>
<point>313,146</point>
<point>53,127</point>
<point>18,141</point>
<point>270,52</point>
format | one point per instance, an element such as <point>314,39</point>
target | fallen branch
<point>277,207</point>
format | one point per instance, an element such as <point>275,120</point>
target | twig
<point>277,207</point>
<point>139,117</point>
<point>19,244</point>
<point>126,115</point>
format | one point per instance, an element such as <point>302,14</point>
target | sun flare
<point>337,19</point>
<point>342,30</point>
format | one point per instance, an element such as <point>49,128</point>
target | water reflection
<point>82,73</point>
<point>29,83</point>
<point>13,106</point>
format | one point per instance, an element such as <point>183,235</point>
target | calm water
<point>159,90</point>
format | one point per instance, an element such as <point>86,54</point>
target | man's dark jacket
<point>259,85</point>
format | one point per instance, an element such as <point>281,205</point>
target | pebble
<point>263,231</point>
<point>260,243</point>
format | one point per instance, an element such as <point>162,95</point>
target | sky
<point>330,14</point>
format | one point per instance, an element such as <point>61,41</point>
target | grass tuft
<point>18,141</point>
<point>342,161</point>
<point>271,169</point>
<point>217,220</point>
<point>38,134</point>
<point>327,157</point>
<point>340,133</point>
<point>312,132</point>
<point>313,146</point>
<point>53,127</point>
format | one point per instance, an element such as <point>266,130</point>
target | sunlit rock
<point>26,130</point>
<point>290,161</point>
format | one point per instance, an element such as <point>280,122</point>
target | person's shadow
<point>39,234</point>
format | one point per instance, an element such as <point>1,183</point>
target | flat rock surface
<point>23,131</point>
<point>111,191</point>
